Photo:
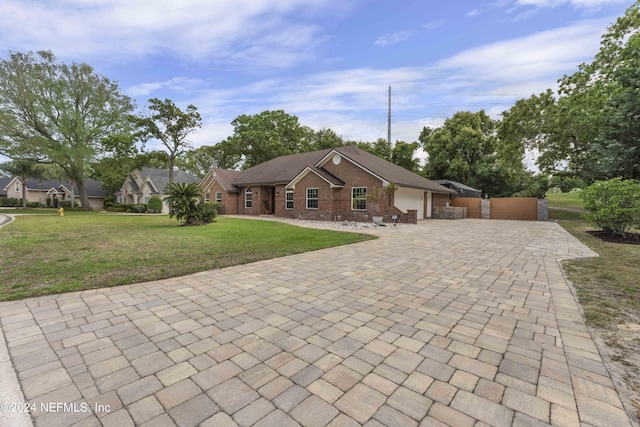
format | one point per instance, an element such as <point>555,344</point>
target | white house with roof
<point>51,192</point>
<point>143,184</point>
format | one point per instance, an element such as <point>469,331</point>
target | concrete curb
<point>5,219</point>
<point>10,392</point>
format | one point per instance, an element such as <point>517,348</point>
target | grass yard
<point>608,285</point>
<point>565,200</point>
<point>47,254</point>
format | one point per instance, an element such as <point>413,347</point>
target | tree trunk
<point>84,199</point>
<point>172,162</point>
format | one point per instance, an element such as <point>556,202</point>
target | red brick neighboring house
<point>328,184</point>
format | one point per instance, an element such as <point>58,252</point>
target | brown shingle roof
<point>391,172</point>
<point>282,170</point>
<point>226,178</point>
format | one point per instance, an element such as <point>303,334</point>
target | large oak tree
<point>169,125</point>
<point>58,113</point>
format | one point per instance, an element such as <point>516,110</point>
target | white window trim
<point>353,199</point>
<point>286,200</point>
<point>250,200</point>
<point>218,196</point>
<point>317,199</point>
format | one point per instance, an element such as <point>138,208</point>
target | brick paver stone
<point>314,412</point>
<point>361,402</point>
<point>328,339</point>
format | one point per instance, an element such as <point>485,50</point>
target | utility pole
<point>389,119</point>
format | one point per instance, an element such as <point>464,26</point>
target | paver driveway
<point>461,323</point>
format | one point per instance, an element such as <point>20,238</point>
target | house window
<point>359,198</point>
<point>206,197</point>
<point>289,199</point>
<point>312,198</point>
<point>248,198</point>
<point>219,197</point>
<point>17,187</point>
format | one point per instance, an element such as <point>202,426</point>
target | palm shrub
<point>613,205</point>
<point>185,202</point>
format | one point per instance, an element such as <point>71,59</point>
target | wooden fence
<point>473,205</point>
<point>518,208</point>
<point>522,208</point>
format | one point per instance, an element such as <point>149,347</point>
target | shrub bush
<point>209,211</point>
<point>155,204</point>
<point>576,190</point>
<point>11,202</point>
<point>613,205</point>
<point>554,190</point>
<point>108,201</point>
<point>34,204</point>
<point>566,181</point>
<point>139,208</point>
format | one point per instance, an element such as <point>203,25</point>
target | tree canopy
<point>58,113</point>
<point>267,135</point>
<point>169,125</point>
<point>466,149</point>
<point>590,126</point>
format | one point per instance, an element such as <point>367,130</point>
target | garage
<point>410,198</point>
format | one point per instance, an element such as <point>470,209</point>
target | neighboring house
<point>461,189</point>
<point>4,182</point>
<point>47,192</point>
<point>329,184</point>
<point>141,185</point>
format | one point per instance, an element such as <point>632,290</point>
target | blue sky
<point>329,62</point>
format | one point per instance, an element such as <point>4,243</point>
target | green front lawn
<point>565,200</point>
<point>607,286</point>
<point>46,254</point>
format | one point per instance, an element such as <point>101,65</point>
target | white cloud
<point>242,31</point>
<point>177,84</point>
<point>548,53</point>
<point>432,25</point>
<point>587,4</point>
<point>473,12</point>
<point>393,38</point>
<point>353,102</point>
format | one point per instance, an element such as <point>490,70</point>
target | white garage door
<point>408,198</point>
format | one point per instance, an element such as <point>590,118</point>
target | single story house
<point>330,184</point>
<point>461,189</point>
<point>50,192</point>
<point>141,185</point>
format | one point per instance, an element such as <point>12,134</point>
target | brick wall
<point>230,202</point>
<point>355,176</point>
<point>325,210</point>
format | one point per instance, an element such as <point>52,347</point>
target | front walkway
<point>461,323</point>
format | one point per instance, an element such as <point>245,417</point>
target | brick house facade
<point>329,184</point>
